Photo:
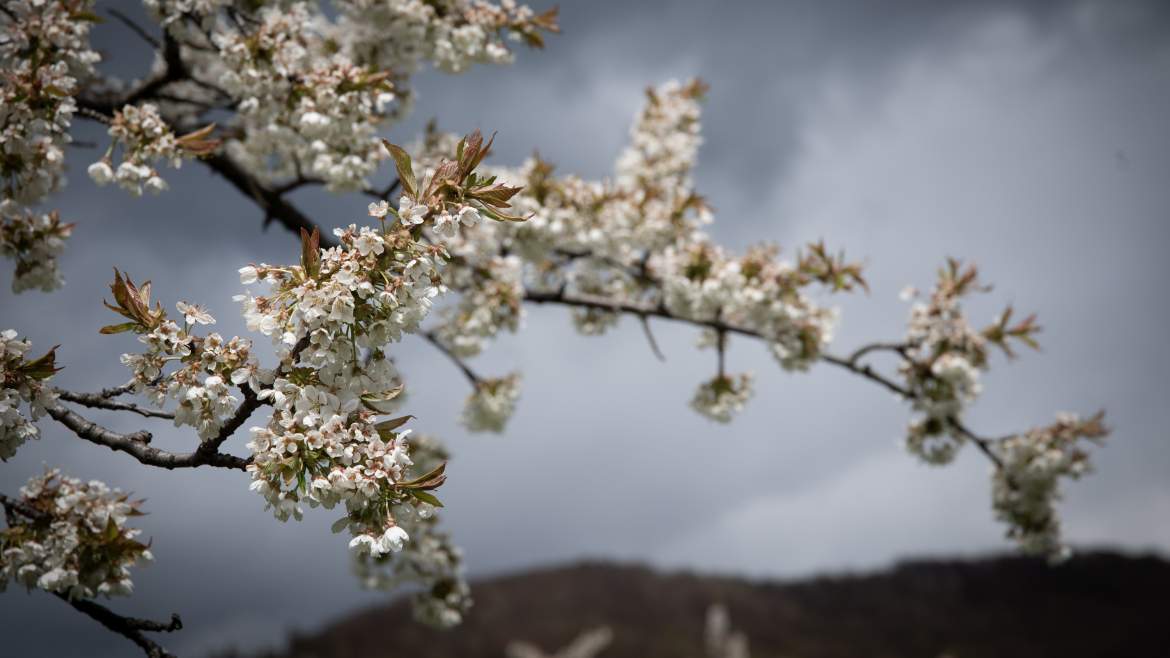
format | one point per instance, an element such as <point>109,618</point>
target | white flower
<point>379,209</point>
<point>468,216</point>
<point>156,184</point>
<point>194,314</point>
<point>393,539</point>
<point>101,172</point>
<point>446,225</point>
<point>411,213</point>
<point>248,274</point>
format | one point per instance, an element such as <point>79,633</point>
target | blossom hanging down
<point>331,318</point>
<point>146,139</point>
<point>70,537</point>
<point>195,372</point>
<point>1027,485</point>
<point>944,356</point>
<point>34,240</point>
<point>22,384</point>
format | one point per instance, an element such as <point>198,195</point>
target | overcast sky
<point>1031,138</point>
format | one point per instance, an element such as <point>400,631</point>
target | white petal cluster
<point>723,396</point>
<point>300,105</point>
<point>207,370</point>
<point>44,53</point>
<point>330,318</point>
<point>34,240</point>
<point>76,542</point>
<point>490,406</point>
<point>491,302</point>
<point>22,385</point>
<point>635,242</point>
<point>400,35</point>
<point>171,12</point>
<point>941,369</point>
<point>430,560</point>
<point>145,139</point>
<point>1026,488</point>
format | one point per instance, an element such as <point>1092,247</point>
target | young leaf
<point>405,172</point>
<point>426,497</point>
<point>311,252</point>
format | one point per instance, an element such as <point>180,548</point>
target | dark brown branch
<point>103,105</point>
<point>137,444</point>
<point>13,506</point>
<point>650,338</point>
<point>271,201</point>
<point>101,401</point>
<point>136,28</point>
<point>899,348</point>
<point>131,628</point>
<point>467,371</point>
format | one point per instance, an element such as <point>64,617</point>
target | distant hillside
<point>1095,605</point>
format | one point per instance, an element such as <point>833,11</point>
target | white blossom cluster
<point>1026,487</point>
<point>303,110</point>
<point>34,240</point>
<point>324,443</point>
<point>429,559</point>
<point>205,368</point>
<point>399,35</point>
<point>172,12</point>
<point>491,404</point>
<point>70,537</point>
<point>943,359</point>
<point>44,52</point>
<point>635,242</point>
<point>22,384</point>
<point>491,301</point>
<point>145,138</point>
<point>723,396</point>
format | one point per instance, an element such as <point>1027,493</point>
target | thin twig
<point>467,371</point>
<point>650,338</point>
<point>136,28</point>
<point>99,401</point>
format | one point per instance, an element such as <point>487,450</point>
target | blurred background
<point>1029,137</point>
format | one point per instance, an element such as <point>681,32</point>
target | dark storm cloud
<point>1028,136</point>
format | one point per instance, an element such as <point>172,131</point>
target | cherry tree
<point>280,95</point>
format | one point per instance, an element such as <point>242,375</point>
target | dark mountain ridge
<point>1096,604</point>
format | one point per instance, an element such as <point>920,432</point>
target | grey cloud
<point>1028,136</point>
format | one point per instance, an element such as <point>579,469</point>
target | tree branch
<point>131,628</point>
<point>276,207</point>
<point>137,444</point>
<point>101,401</point>
<point>271,201</point>
<point>136,28</point>
<point>467,371</point>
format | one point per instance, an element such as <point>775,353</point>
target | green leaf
<point>118,328</point>
<point>42,368</point>
<point>405,171</point>
<point>340,525</point>
<point>388,426</point>
<point>370,400</point>
<point>432,480</point>
<point>426,497</point>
